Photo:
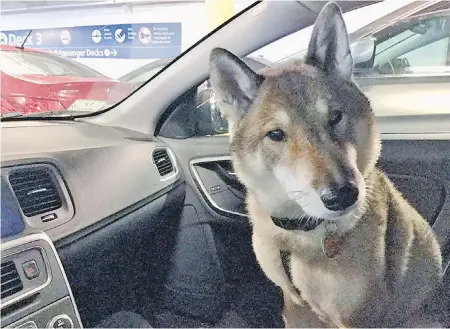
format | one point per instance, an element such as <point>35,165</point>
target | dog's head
<point>302,134</point>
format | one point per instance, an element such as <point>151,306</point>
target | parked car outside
<point>415,45</point>
<point>35,81</point>
<point>413,40</point>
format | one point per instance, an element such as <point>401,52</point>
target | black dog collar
<point>296,224</point>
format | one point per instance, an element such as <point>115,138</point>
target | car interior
<point>136,209</point>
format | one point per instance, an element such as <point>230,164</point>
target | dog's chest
<point>333,290</point>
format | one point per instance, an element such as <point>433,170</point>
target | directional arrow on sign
<point>114,52</point>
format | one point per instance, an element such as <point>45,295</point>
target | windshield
<point>90,58</point>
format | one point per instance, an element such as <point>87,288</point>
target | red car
<point>35,81</point>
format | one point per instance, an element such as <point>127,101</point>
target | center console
<point>35,292</point>
<point>34,289</point>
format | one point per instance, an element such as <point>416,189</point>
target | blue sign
<point>132,41</point>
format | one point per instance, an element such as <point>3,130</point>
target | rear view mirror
<point>210,121</point>
<point>363,53</point>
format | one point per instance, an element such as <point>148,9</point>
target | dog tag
<point>331,242</point>
<point>331,245</point>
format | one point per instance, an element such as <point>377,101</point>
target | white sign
<point>119,35</point>
<point>96,36</point>
<point>145,35</point>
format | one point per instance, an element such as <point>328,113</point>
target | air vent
<point>11,282</point>
<point>162,162</point>
<point>35,190</point>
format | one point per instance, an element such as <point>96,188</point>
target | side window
<point>414,46</point>
<point>433,54</point>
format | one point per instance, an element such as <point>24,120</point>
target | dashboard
<point>62,180</point>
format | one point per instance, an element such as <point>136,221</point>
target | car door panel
<point>195,284</point>
<point>213,270</point>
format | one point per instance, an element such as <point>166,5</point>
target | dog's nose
<point>339,197</point>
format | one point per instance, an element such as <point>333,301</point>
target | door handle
<point>228,175</point>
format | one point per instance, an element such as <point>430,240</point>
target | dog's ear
<point>234,83</point>
<point>329,48</point>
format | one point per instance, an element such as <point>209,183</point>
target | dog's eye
<point>335,117</point>
<point>276,135</point>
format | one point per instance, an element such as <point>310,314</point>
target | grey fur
<point>236,83</point>
<point>329,46</point>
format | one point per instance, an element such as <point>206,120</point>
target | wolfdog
<point>329,228</point>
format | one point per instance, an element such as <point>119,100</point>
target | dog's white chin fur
<point>282,204</point>
<point>302,200</point>
<point>288,193</point>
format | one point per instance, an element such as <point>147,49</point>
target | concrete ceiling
<point>10,6</point>
<point>6,5</point>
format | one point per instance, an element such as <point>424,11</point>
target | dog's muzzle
<point>337,197</point>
